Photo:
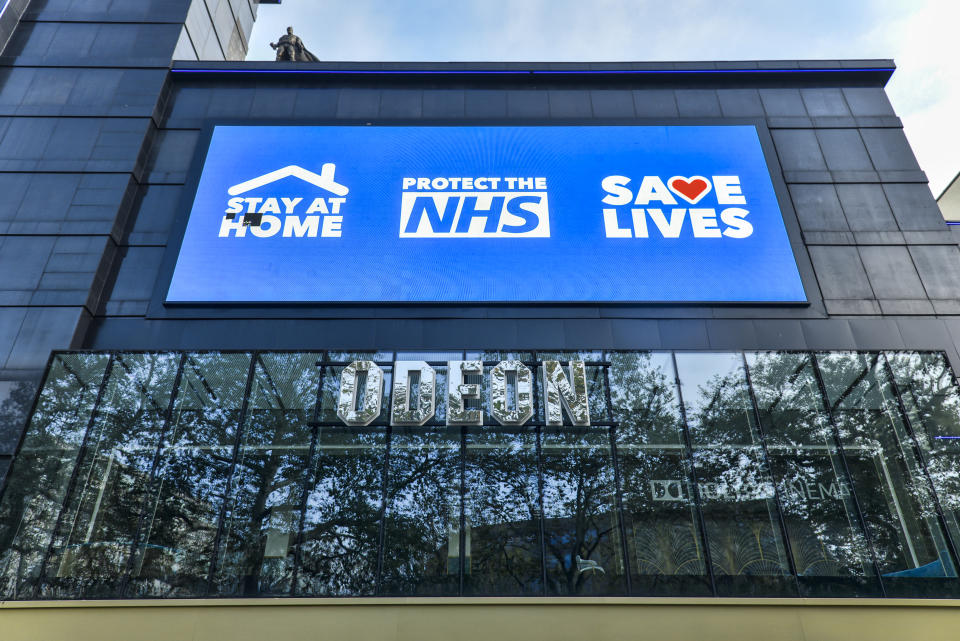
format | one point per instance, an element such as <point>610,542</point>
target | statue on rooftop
<point>290,48</point>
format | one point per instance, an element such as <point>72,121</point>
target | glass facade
<point>170,474</point>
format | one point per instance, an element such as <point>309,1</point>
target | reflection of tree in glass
<point>644,398</point>
<point>39,477</point>
<point>503,553</point>
<point>100,515</point>
<point>264,511</point>
<point>825,536</point>
<point>660,517</point>
<point>933,405</point>
<point>342,523</point>
<point>182,516</point>
<point>580,517</point>
<point>738,500</point>
<point>421,553</point>
<point>896,503</point>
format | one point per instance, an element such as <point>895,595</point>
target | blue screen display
<point>485,214</point>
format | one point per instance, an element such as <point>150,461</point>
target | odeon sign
<point>416,404</point>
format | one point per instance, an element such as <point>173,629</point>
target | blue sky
<point>920,35</point>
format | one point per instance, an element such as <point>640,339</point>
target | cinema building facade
<point>387,350</point>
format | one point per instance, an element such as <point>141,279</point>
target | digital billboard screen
<point>337,214</point>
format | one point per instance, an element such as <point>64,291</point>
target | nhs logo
<point>474,207</point>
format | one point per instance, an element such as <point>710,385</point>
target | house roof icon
<point>324,179</point>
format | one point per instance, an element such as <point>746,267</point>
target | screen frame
<point>159,308</point>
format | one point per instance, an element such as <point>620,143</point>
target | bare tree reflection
<point>660,517</point>
<point>502,521</point>
<point>736,490</point>
<point>40,475</point>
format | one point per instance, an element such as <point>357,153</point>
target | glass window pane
<point>180,524</point>
<point>40,475</point>
<point>826,537</point>
<point>102,512</point>
<point>932,401</point>
<point>737,495</point>
<point>664,537</point>
<point>341,531</point>
<point>908,542</point>
<point>263,515</point>
<point>584,554</point>
<point>421,553</point>
<point>503,554</point>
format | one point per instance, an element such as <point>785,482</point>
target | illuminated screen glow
<point>485,214</point>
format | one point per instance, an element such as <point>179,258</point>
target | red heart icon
<point>691,189</point>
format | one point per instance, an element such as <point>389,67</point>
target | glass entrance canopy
<point>222,474</point>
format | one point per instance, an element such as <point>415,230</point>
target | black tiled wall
<point>82,89</point>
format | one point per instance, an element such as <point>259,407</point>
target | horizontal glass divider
<point>651,446</point>
<point>528,363</point>
<point>487,426</point>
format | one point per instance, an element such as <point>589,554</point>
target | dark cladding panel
<point>358,103</point>
<point>798,150</point>
<point>840,272</point>
<point>782,102</point>
<point>231,102</point>
<point>843,150</point>
<point>155,215</point>
<point>103,44</point>
<point>137,274</point>
<point>818,208</point>
<point>868,101</point>
<point>939,267</point>
<point>401,103</point>
<point>22,260</point>
<point>11,319</point>
<point>172,152</point>
<point>443,103</point>
<point>72,144</point>
<point>697,103</point>
<point>273,102</point>
<point>102,11</point>
<point>571,103</point>
<point>866,208</point>
<point>914,207</point>
<point>612,103</point>
<point>528,103</point>
<point>891,272</point>
<point>655,103</point>
<point>319,103</point>
<point>486,103</point>
<point>824,102</point>
<point>889,150</point>
<point>41,328</point>
<point>739,103</point>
